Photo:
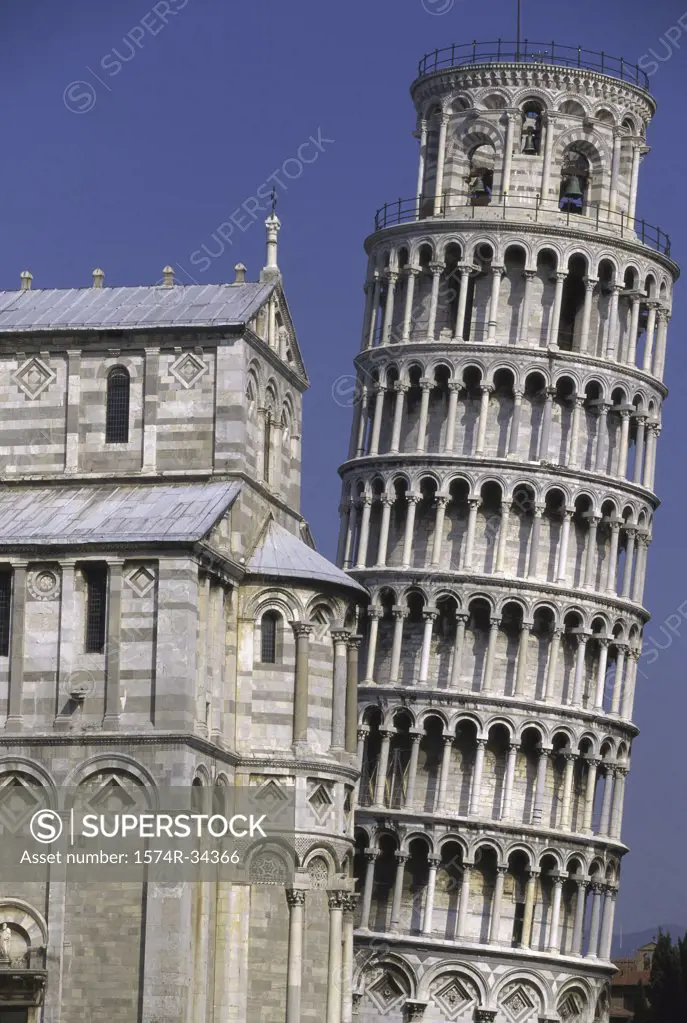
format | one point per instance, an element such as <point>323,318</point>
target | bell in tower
<point>574,180</point>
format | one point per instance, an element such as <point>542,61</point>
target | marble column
<point>301,698</point>
<point>566,803</point>
<point>476,788</point>
<point>382,767</point>
<point>413,501</point>
<point>506,802</point>
<point>353,650</point>
<point>396,904</point>
<point>339,688</point>
<point>370,859</point>
<point>334,974</point>
<point>412,272</point>
<point>295,898</point>
<point>487,390</point>
<point>592,768</point>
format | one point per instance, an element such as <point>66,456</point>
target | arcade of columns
<point>498,503</point>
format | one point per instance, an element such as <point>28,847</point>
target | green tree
<point>642,1011</point>
<point>666,985</point>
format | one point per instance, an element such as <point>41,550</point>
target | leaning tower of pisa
<point>498,503</point>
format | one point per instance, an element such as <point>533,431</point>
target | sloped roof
<point>193,305</point>
<point>108,513</point>
<point>282,555</point>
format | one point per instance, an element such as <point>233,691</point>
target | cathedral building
<point>166,621</point>
<point>498,503</point>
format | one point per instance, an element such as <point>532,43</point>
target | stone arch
<point>521,994</point>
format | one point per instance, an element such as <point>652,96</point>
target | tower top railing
<point>522,209</point>
<point>528,52</point>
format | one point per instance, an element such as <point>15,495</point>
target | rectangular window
<point>5,612</point>
<point>96,608</point>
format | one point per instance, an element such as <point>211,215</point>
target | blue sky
<point>132,131</point>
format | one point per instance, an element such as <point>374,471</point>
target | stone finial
<point>98,278</point>
<point>26,280</point>
<point>271,269</point>
<point>240,271</point>
<point>168,277</point>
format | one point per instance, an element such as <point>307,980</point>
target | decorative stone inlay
<point>518,1004</point>
<point>386,993</point>
<point>318,873</point>
<point>571,1008</point>
<point>268,868</point>
<point>271,796</point>
<point>33,376</point>
<point>453,999</point>
<point>43,584</point>
<point>78,685</point>
<point>18,801</point>
<point>321,801</point>
<point>188,369</point>
<point>111,797</point>
<point>141,580</point>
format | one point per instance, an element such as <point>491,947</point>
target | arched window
<point>117,416</point>
<point>481,178</point>
<point>269,635</point>
<point>574,182</point>
<point>530,143</point>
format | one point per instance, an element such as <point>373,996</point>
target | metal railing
<point>528,52</point>
<point>593,216</point>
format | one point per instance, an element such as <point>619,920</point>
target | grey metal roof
<point>283,555</point>
<point>194,305</point>
<point>62,516</point>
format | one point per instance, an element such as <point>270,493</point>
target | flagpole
<point>517,51</point>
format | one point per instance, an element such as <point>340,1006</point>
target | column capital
<point>401,857</point>
<point>481,743</point>
<point>592,761</point>
<point>560,275</point>
<point>391,275</point>
<point>590,283</point>
<point>430,616</point>
<point>400,612</point>
<point>363,732</point>
<point>295,897</point>
<point>426,384</point>
<point>411,270</point>
<point>302,628</point>
<point>434,861</point>
<point>494,622</point>
<point>448,740</point>
<point>454,386</point>
<point>413,498</point>
<point>488,388</point>
<point>400,387</point>
<point>340,635</point>
<point>462,616</point>
<point>375,612</point>
<point>371,855</point>
<point>337,899</point>
<point>351,900</point>
<point>545,753</point>
<point>529,275</point>
<point>569,757</point>
<point>498,270</point>
<point>437,268</point>
<point>513,747</point>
